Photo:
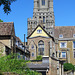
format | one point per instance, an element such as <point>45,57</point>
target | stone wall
<point>69,73</point>
<point>36,40</point>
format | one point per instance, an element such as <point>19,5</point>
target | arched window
<point>41,48</point>
<point>43,19</point>
<point>53,54</point>
<point>43,2</point>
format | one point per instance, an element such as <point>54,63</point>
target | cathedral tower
<point>43,14</point>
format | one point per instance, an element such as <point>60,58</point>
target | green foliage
<point>1,20</point>
<point>11,64</point>
<point>1,73</point>
<point>6,4</point>
<point>68,66</point>
<point>39,57</point>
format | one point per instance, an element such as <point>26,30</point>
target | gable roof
<point>6,28</point>
<point>42,29</point>
<point>66,31</point>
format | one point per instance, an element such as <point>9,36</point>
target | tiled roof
<point>6,28</point>
<point>66,31</point>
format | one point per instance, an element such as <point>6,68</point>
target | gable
<point>39,32</point>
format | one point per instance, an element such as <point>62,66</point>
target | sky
<point>64,11</point>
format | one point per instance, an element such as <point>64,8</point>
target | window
<point>63,54</point>
<point>53,54</point>
<point>56,53</point>
<point>74,44</point>
<point>39,16</point>
<point>74,54</point>
<point>44,27</point>
<point>39,31</point>
<point>32,54</point>
<point>60,36</point>
<point>74,35</point>
<point>43,19</point>
<point>63,45</point>
<point>43,2</point>
<point>32,47</point>
<point>41,48</point>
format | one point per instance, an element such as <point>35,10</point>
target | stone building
<point>48,40</point>
<point>10,43</point>
<point>44,36</point>
<point>7,37</point>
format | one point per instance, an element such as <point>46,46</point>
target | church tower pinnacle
<point>43,14</point>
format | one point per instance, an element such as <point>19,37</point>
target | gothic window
<point>43,19</point>
<point>43,2</point>
<point>32,54</point>
<point>53,54</point>
<point>41,48</point>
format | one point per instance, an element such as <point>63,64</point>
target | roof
<point>66,31</point>
<point>38,66</point>
<point>6,28</point>
<point>43,30</point>
<point>19,40</point>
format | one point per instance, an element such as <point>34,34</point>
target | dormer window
<point>60,36</point>
<point>43,2</point>
<point>74,35</point>
<point>39,31</point>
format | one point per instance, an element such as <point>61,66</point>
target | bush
<point>10,64</point>
<point>39,57</point>
<point>68,66</point>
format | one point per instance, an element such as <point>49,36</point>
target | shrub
<point>11,64</point>
<point>39,57</point>
<point>68,66</point>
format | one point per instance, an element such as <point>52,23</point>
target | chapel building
<point>46,39</point>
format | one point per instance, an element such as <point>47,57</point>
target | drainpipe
<point>24,44</point>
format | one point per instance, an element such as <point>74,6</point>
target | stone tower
<point>43,14</point>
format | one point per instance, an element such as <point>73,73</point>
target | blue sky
<point>64,11</point>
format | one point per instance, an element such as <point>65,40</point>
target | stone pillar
<point>51,5</point>
<point>35,5</point>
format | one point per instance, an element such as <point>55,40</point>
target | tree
<point>68,66</point>
<point>10,63</point>
<point>1,20</point>
<point>6,5</point>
